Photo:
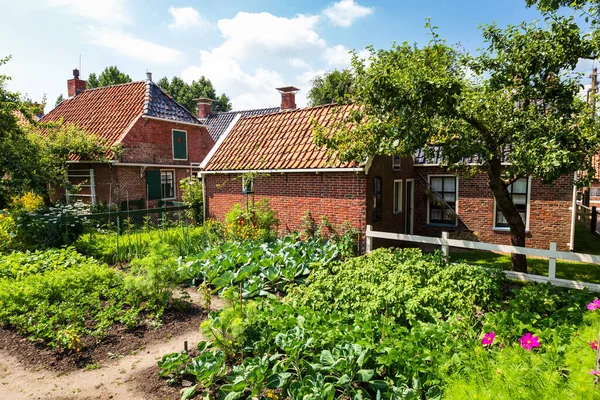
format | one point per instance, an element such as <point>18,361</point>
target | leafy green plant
<point>257,221</point>
<point>173,366</point>
<point>17,265</point>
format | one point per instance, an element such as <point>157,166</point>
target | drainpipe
<point>202,176</point>
<point>573,214</point>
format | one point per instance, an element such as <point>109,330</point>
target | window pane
<point>519,186</point>
<point>519,199</point>
<point>436,214</point>
<point>449,185</point>
<point>436,184</point>
<point>500,218</point>
<point>449,197</point>
<point>449,215</point>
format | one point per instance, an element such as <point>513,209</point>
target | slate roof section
<point>108,111</point>
<point>281,140</point>
<point>219,122</point>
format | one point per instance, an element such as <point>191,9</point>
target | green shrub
<point>405,285</point>
<point>257,222</point>
<point>8,232</point>
<point>19,264</point>
<point>61,306</point>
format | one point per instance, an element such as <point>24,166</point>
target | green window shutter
<point>153,184</point>
<point>179,145</point>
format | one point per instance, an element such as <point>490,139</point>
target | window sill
<point>506,230</point>
<point>398,212</point>
<point>435,225</point>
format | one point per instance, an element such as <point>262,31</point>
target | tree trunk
<point>513,218</point>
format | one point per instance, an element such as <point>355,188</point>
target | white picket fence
<point>552,255</point>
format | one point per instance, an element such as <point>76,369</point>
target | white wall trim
<point>412,205</point>
<point>220,140</point>
<point>126,164</point>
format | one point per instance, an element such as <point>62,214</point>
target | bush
<point>62,306</point>
<point>18,265</point>
<point>8,232</point>
<point>58,226</point>
<point>406,285</point>
<point>257,222</point>
<point>29,202</point>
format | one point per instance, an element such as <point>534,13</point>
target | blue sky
<point>246,48</point>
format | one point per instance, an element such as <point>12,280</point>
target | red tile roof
<point>282,140</point>
<point>106,111</point>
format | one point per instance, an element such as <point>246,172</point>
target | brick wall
<point>151,141</point>
<point>549,214</point>
<point>340,196</point>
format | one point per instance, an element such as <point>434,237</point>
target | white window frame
<point>456,202</point>
<point>396,167</point>
<point>186,144</point>
<point>397,196</point>
<point>174,184</point>
<point>506,228</point>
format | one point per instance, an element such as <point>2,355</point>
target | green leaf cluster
<point>186,94</point>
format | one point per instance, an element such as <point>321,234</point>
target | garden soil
<point>123,366</point>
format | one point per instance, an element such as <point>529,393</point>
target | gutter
<point>289,170</point>
<point>173,121</point>
<point>125,164</point>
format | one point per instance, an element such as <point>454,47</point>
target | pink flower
<point>488,338</point>
<point>594,305</point>
<point>594,372</point>
<point>528,341</point>
<point>594,345</point>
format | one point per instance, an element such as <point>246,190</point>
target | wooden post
<point>445,247</point>
<point>552,262</point>
<point>369,240</point>
<point>593,221</point>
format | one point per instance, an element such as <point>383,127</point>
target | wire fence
<point>132,220</point>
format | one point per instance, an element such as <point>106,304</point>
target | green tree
<point>515,107</point>
<point>185,94</point>
<point>110,76</point>
<point>30,161</point>
<point>59,100</point>
<point>331,87</point>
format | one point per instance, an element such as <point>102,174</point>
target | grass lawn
<point>585,242</point>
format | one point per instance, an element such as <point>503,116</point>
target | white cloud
<point>298,63</point>
<point>185,18</point>
<point>131,46</point>
<point>261,37</point>
<point>253,35</point>
<point>345,12</point>
<point>337,56</point>
<point>105,11</point>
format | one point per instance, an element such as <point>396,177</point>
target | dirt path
<point>115,379</point>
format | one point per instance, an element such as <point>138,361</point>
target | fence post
<point>593,221</point>
<point>369,240</point>
<point>552,262</point>
<point>445,247</point>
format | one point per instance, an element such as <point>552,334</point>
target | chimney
<point>204,107</point>
<point>149,76</point>
<point>288,97</point>
<point>75,85</point>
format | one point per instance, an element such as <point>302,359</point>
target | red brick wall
<point>549,219</point>
<point>151,141</point>
<point>339,196</point>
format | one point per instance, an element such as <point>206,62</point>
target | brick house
<point>162,142</point>
<point>392,194</point>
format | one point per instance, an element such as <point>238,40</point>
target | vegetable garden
<point>305,317</point>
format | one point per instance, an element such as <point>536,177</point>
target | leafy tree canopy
<point>331,87</point>
<point>59,100</point>
<point>515,107</point>
<point>30,161</point>
<point>185,94</point>
<point>110,76</point>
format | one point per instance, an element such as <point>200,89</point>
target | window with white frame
<point>377,211</point>
<point>167,184</point>
<point>595,191</point>
<point>442,200</point>
<point>519,193</point>
<point>397,196</point>
<point>396,163</point>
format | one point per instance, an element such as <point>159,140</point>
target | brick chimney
<point>204,107</point>
<point>75,85</point>
<point>288,97</point>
